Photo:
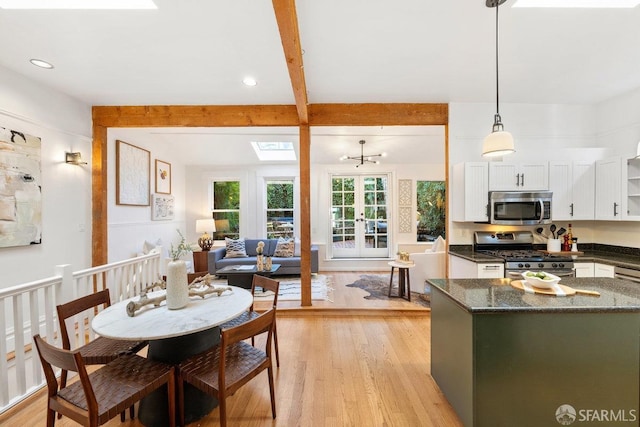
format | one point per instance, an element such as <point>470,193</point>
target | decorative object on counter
<point>268,264</point>
<point>498,142</point>
<point>200,287</point>
<point>177,289</point>
<point>554,245</point>
<point>203,226</point>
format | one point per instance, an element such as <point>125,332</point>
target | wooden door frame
<point>105,117</point>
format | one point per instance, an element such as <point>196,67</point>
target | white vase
<point>177,287</point>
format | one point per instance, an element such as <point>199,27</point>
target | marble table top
<point>152,323</point>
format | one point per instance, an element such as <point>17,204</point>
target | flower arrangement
<point>260,248</point>
<point>182,249</point>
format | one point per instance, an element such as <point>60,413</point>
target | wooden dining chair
<point>223,369</point>
<point>267,284</point>
<point>97,397</point>
<point>100,350</point>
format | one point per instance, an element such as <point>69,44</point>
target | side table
<point>404,283</point>
<point>200,261</point>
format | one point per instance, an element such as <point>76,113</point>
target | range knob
<point>554,265</point>
<point>520,265</point>
<point>527,265</point>
<point>561,265</point>
<point>540,265</point>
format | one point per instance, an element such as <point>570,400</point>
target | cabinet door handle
<point>523,180</point>
<point>571,209</point>
<point>517,180</point>
<point>491,267</point>
<point>615,209</point>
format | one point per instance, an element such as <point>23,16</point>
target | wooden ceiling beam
<point>287,19</point>
<point>195,115</point>
<point>378,114</point>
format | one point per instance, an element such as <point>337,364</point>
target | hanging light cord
<point>497,70</point>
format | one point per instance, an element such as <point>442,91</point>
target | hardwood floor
<point>350,362</point>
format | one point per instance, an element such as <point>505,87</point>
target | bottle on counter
<point>570,233</point>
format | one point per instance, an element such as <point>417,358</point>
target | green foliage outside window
<point>280,218</point>
<point>431,197</point>
<point>226,209</point>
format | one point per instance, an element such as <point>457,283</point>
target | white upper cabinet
<point>633,189</point>
<point>470,192</point>
<point>608,189</point>
<point>573,187</point>
<point>518,177</point>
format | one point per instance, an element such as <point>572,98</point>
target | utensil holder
<point>553,245</point>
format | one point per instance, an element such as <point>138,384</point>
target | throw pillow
<point>235,248</point>
<point>284,248</point>
<point>297,251</point>
<point>438,245</point>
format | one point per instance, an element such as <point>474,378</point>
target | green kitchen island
<point>505,358</point>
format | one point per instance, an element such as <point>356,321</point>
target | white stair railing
<point>30,308</point>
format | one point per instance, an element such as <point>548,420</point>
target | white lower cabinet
<point>490,271</point>
<point>460,268</point>
<point>603,270</point>
<point>584,269</point>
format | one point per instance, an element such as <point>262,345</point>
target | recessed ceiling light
<point>77,4</point>
<point>40,63</point>
<point>249,81</point>
<point>608,4</point>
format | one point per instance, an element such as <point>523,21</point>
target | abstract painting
<point>133,166</point>
<point>20,189</point>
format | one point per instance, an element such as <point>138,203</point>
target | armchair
<point>429,264</point>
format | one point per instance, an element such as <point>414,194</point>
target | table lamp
<point>203,226</point>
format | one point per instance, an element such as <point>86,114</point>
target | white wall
<point>130,226</point>
<point>63,124</point>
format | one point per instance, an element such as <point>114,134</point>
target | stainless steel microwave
<point>520,208</point>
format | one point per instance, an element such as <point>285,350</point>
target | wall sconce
<point>74,158</point>
<point>202,226</point>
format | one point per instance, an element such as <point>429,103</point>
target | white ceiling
<point>197,52</point>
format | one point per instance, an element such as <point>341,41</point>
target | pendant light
<point>498,142</point>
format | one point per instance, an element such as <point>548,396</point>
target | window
<point>431,197</point>
<point>280,220</point>
<point>226,209</point>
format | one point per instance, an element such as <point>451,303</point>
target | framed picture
<point>162,207</point>
<point>163,177</point>
<point>133,166</point>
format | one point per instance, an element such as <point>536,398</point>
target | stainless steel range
<point>517,250</point>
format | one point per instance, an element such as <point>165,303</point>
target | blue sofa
<point>288,265</point>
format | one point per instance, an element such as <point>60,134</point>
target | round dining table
<point>174,335</point>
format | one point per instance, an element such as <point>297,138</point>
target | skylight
<point>274,151</point>
<point>608,4</point>
<point>77,4</point>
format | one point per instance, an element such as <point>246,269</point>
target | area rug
<point>378,287</point>
<point>290,289</point>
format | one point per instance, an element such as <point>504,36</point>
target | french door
<point>359,216</point>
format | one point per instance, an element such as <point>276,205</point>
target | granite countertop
<point>498,296</point>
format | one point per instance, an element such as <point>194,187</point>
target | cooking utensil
<point>561,231</point>
<point>539,230</point>
<point>552,228</point>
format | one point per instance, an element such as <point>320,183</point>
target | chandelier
<point>362,159</point>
